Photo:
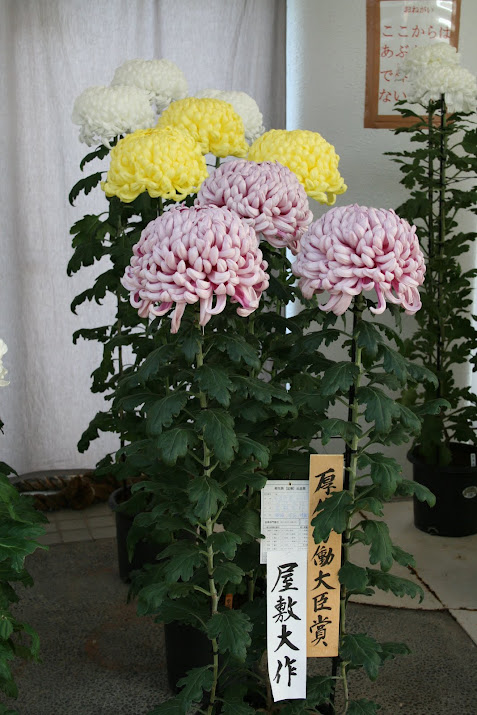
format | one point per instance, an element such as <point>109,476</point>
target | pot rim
<point>450,468</point>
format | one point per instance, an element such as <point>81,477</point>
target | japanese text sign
<point>394,27</point>
<point>324,562</point>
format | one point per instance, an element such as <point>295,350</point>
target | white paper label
<point>284,516</point>
<point>286,623</point>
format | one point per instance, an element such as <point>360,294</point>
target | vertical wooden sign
<point>324,562</point>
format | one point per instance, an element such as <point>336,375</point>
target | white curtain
<point>50,51</point>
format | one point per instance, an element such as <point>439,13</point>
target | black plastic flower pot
<point>186,648</point>
<point>455,489</point>
<point>144,552</point>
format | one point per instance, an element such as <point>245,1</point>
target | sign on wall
<point>393,28</point>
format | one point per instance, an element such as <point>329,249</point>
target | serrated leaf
<point>215,383</point>
<point>420,374</point>
<point>369,338</point>
<point>410,421</point>
<point>194,683</point>
<point>238,349</point>
<point>353,578</point>
<point>161,413</point>
<point>398,586</point>
<point>246,525</point>
<point>228,572</point>
<point>6,627</point>
<point>393,362</point>
<point>391,650</point>
<point>381,547</point>
<point>339,377</point>
<point>422,493</point>
<point>362,650</point>
<point>219,434</point>
<point>184,558</point>
<point>231,629</point>
<point>237,708</point>
<point>174,444</point>
<point>385,471</point>
<point>149,368</point>
<point>175,706</point>
<point>332,515</point>
<point>362,707</point>
<point>380,408</point>
<point>318,690</point>
<point>86,184</point>
<point>224,542</point>
<point>206,494</point>
<point>335,427</point>
<point>250,448</point>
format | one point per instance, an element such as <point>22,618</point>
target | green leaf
<point>237,708</point>
<point>219,434</point>
<point>339,377</point>
<point>353,578</point>
<point>99,153</point>
<point>250,448</point>
<point>410,421</point>
<point>391,650</point>
<point>362,650</point>
<point>207,494</point>
<point>420,374</point>
<point>238,349</point>
<point>318,690</point>
<point>393,362</point>
<point>385,471</point>
<point>160,414</point>
<point>398,586</point>
<point>369,338</point>
<point>335,427</point>
<point>227,572</point>
<point>332,515</point>
<point>362,707</point>
<point>6,627</point>
<point>86,184</point>
<point>380,408</point>
<point>410,488</point>
<point>377,535</point>
<point>432,407</point>
<point>231,629</point>
<point>195,682</point>
<point>156,359</point>
<point>215,383</point>
<point>184,558</point>
<point>174,444</point>
<point>246,525</point>
<point>224,542</point>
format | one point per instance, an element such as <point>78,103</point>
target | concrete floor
<point>99,658</point>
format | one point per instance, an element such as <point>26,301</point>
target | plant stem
<point>442,234</point>
<point>209,529</point>
<point>350,481</point>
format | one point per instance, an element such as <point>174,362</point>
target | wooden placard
<point>324,562</point>
<point>393,27</point>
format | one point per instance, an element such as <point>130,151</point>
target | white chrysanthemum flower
<point>162,78</point>
<point>245,106</point>
<point>104,113</point>
<point>3,371</point>
<point>458,85</point>
<point>437,52</point>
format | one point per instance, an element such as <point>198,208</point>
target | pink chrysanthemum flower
<point>267,195</point>
<point>351,249</point>
<point>195,254</point>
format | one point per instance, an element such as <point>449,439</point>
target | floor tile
<point>104,532</point>
<point>76,535</point>
<point>98,521</point>
<point>65,525</point>
<point>49,539</point>
<point>468,621</point>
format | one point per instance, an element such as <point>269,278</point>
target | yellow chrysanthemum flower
<point>164,162</point>
<point>308,155</point>
<point>212,122</point>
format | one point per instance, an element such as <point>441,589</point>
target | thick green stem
<point>442,235</point>
<point>351,479</point>
<point>209,530</point>
<point>430,219</point>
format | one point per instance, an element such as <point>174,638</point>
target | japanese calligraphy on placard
<point>323,562</point>
<point>286,623</point>
<point>393,28</point>
<point>284,516</point>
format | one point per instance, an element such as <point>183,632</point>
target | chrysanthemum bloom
<point>196,254</point>
<point>436,71</point>
<point>162,78</point>
<point>164,162</point>
<point>3,370</point>
<point>351,249</point>
<point>268,196</point>
<point>308,155</point>
<point>104,113</point>
<point>213,123</point>
<point>245,106</point>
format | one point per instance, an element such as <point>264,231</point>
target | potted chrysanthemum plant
<point>349,252</point>
<point>440,175</point>
<point>20,527</point>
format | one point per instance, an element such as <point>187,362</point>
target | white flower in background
<point>162,78</point>
<point>3,371</point>
<point>106,112</point>
<point>438,52</point>
<point>435,70</point>
<point>245,106</point>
